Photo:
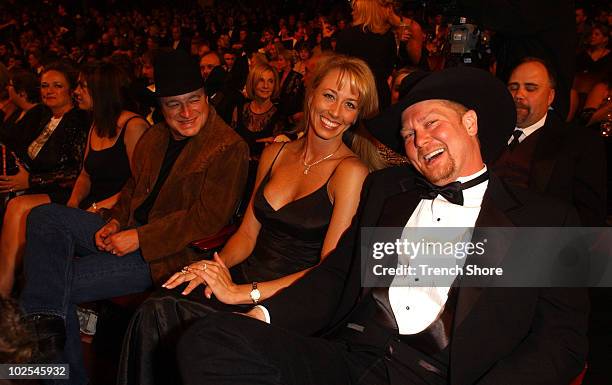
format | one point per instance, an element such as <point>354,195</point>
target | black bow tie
<point>452,192</point>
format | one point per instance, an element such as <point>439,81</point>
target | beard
<point>443,173</point>
<point>522,113</point>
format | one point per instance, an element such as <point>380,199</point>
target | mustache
<point>521,105</point>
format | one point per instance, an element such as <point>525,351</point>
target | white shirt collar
<point>531,129</point>
<point>472,197</point>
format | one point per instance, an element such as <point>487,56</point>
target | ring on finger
<point>184,270</point>
<point>113,251</point>
<point>205,267</point>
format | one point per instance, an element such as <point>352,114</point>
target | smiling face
<point>440,140</point>
<point>82,95</point>
<point>55,91</point>
<point>265,85</point>
<point>333,107</point>
<point>185,114</point>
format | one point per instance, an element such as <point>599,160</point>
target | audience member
<point>547,155</point>
<point>115,131</point>
<point>258,120</point>
<point>371,39</point>
<point>192,155</point>
<point>24,92</point>
<point>8,110</point>
<point>305,197</point>
<point>208,62</point>
<point>47,165</point>
<point>594,63</point>
<point>291,95</point>
<point>304,54</point>
<point>399,335</point>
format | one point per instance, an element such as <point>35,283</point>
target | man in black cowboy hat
<point>189,173</point>
<point>452,123</point>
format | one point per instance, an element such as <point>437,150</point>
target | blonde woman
<point>257,121</point>
<point>306,194</point>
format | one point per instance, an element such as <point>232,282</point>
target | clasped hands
<point>116,242</point>
<point>211,273</point>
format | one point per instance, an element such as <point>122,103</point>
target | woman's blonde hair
<point>256,74</point>
<point>356,73</point>
<point>352,70</point>
<point>372,15</point>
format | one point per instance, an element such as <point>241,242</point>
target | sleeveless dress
<point>108,169</point>
<point>289,241</point>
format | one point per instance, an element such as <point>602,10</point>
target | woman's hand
<point>17,182</point>
<point>219,281</point>
<point>185,276</point>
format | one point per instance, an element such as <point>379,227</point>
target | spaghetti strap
<point>338,165</point>
<point>133,117</point>
<point>274,160</point>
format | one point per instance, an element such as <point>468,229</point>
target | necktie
<point>515,138</point>
<point>452,192</point>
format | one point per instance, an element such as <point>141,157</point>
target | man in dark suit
<point>547,155</point>
<point>405,335</point>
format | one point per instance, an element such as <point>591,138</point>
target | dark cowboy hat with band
<point>176,73</point>
<point>475,89</point>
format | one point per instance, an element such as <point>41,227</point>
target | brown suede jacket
<point>197,199</point>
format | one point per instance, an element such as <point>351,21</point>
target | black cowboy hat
<point>475,89</point>
<point>176,73</point>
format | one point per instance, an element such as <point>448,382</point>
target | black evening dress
<point>289,241</point>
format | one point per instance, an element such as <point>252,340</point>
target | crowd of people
<point>129,130</point>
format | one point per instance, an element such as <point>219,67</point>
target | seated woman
<point>47,166</point>
<point>24,92</point>
<point>113,136</point>
<point>257,121</point>
<point>306,194</point>
<point>592,64</point>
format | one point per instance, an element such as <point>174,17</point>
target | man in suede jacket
<point>189,174</point>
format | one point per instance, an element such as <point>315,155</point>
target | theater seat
<point>214,242</point>
<point>578,380</point>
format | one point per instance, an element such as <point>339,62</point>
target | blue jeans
<point>63,267</point>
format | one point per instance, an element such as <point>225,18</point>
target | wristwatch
<point>255,294</point>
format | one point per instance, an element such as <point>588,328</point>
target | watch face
<point>255,294</point>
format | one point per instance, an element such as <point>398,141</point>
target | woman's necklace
<point>308,166</point>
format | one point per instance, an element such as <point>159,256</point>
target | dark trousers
<point>225,349</point>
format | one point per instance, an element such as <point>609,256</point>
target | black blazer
<point>570,163</point>
<point>500,335</point>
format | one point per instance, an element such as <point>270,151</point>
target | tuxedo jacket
<point>499,335</point>
<point>570,163</point>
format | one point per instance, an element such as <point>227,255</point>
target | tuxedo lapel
<point>395,212</point>
<point>398,208</point>
<point>545,155</point>
<point>496,202</point>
